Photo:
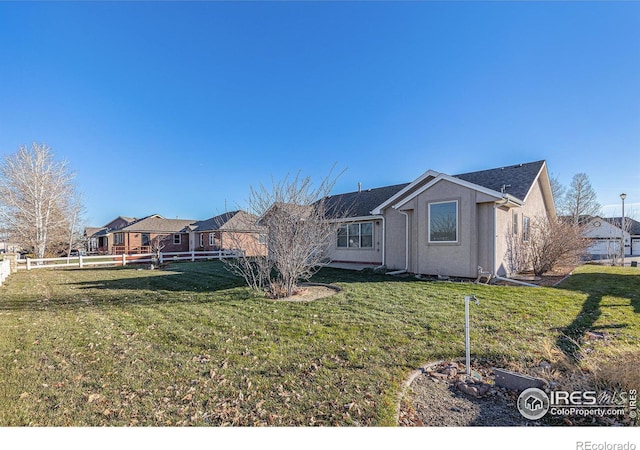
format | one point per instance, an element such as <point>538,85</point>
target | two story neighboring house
<point>441,224</point>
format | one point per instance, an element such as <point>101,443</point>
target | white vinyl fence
<point>119,260</point>
<point>5,270</point>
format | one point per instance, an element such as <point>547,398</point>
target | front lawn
<point>191,346</point>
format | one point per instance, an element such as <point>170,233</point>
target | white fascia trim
<point>357,219</point>
<point>534,181</point>
<point>399,194</point>
<point>460,182</point>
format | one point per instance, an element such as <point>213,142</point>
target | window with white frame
<point>177,239</point>
<point>515,223</point>
<point>443,222</point>
<point>201,240</point>
<point>212,238</point>
<point>356,235</point>
<point>118,238</point>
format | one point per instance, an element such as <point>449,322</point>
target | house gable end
<point>488,194</point>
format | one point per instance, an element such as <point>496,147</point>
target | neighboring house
<point>441,224</point>
<point>606,234</point>
<point>100,239</point>
<point>230,231</point>
<point>236,230</point>
<point>152,233</point>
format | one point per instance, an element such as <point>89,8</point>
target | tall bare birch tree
<point>38,200</point>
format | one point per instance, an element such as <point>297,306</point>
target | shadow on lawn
<point>137,286</point>
<point>596,286</point>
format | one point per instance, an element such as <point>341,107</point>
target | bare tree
<point>554,241</point>
<point>294,215</point>
<point>558,191</point>
<point>76,210</point>
<point>516,257</point>
<point>37,197</point>
<point>616,242</point>
<point>580,199</point>
<point>248,243</point>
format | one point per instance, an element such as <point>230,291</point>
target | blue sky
<point>178,108</point>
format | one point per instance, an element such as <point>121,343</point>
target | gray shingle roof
<point>517,179</point>
<point>233,220</point>
<point>632,225</point>
<point>358,204</point>
<point>159,224</point>
<point>93,231</point>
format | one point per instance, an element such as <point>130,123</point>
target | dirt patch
<point>441,394</point>
<point>312,291</point>
<point>433,398</point>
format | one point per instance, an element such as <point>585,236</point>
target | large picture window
<point>443,222</point>
<point>356,235</point>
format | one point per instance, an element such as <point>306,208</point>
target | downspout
<point>495,234</point>
<point>511,280</point>
<point>383,264</point>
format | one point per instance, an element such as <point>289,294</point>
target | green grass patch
<point>191,345</point>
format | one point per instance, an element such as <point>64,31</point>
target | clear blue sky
<point>178,108</point>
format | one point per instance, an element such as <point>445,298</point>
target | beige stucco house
<point>441,224</point>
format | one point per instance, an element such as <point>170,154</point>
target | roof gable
<point>119,222</point>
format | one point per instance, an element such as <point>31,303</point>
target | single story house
<point>441,224</point>
<point>152,232</point>
<point>235,230</point>
<point>100,239</point>
<point>607,233</point>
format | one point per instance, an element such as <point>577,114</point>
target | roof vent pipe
<point>359,187</point>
